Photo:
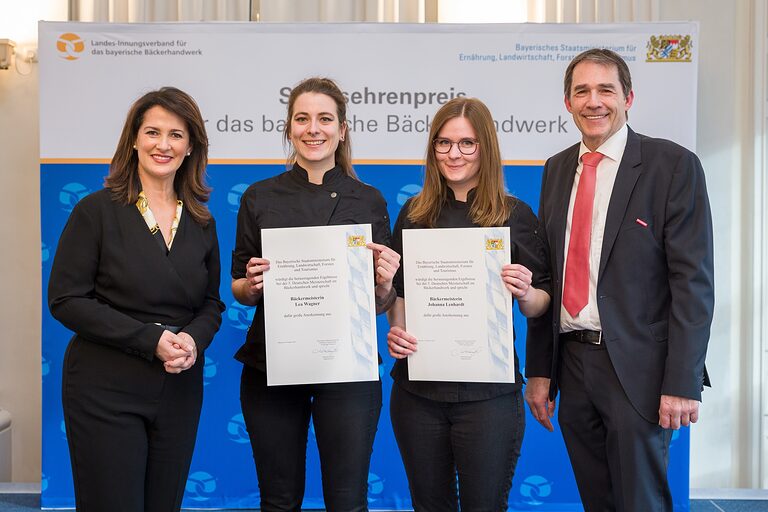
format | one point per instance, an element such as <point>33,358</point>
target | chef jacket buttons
<point>333,195</point>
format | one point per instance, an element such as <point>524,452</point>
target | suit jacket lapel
<point>629,171</point>
<point>564,187</point>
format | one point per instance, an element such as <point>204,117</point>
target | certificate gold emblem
<point>670,48</point>
<point>494,244</point>
<point>355,240</point>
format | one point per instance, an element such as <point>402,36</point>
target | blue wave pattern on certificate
<point>360,287</point>
<point>499,308</point>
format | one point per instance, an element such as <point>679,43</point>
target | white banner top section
<point>395,76</point>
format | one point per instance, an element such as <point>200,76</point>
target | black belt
<point>589,337</point>
<point>175,329</point>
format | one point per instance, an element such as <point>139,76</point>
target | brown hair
<point>490,205</point>
<point>605,58</point>
<point>189,183</point>
<point>328,87</point>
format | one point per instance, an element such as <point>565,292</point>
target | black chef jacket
<point>526,247</point>
<point>290,200</point>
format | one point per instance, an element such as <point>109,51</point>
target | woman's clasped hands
<point>177,351</point>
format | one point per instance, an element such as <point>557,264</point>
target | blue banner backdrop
<point>222,473</point>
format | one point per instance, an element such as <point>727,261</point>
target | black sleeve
<point>380,226</point>
<point>248,236</point>
<point>688,244</point>
<point>397,246</point>
<point>71,288</point>
<point>207,318</point>
<point>528,246</point>
<point>539,344</point>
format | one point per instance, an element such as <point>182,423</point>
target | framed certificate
<point>319,305</point>
<point>457,306</point>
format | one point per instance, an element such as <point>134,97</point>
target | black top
<point>290,200</point>
<point>112,283</point>
<point>526,248</point>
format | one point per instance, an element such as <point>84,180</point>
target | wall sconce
<point>6,52</point>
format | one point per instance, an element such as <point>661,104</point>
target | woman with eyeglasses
<point>465,431</point>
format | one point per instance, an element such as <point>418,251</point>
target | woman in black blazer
<point>136,277</point>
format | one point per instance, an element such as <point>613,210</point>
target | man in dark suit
<point>629,230</point>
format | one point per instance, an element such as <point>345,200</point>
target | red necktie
<point>576,289</point>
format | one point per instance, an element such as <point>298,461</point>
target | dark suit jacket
<point>111,281</point>
<point>655,286</point>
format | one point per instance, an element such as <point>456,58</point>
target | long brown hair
<point>328,87</point>
<point>189,183</point>
<point>490,205</point>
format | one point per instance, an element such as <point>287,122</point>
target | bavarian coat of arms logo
<point>674,48</point>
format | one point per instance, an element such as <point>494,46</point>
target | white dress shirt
<point>613,149</point>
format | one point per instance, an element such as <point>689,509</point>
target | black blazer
<point>655,286</point>
<point>111,282</point>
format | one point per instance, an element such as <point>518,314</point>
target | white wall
<point>20,358</point>
<point>723,450</point>
<point>20,269</point>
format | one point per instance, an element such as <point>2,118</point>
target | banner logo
<point>200,486</point>
<point>240,317</point>
<point>70,46</point>
<point>375,487</point>
<point>70,194</point>
<point>236,429</point>
<point>234,195</point>
<point>669,49</point>
<point>46,367</point>
<point>407,192</point>
<point>534,489</point>
<point>209,370</point>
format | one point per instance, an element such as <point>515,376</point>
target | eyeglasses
<point>466,146</point>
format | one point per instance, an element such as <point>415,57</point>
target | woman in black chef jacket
<point>319,189</point>
<point>449,430</point>
<point>136,277</point>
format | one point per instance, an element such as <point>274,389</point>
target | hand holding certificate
<point>457,305</point>
<point>319,305</point>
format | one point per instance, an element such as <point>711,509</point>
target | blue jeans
<point>345,417</point>
<point>477,442</point>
